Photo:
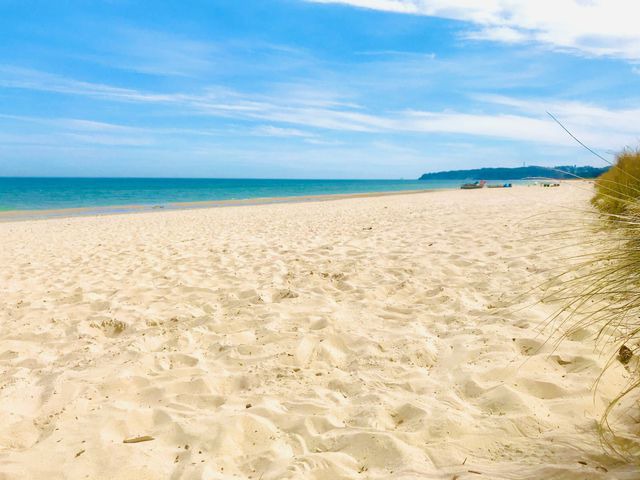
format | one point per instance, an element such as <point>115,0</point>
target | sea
<point>22,193</point>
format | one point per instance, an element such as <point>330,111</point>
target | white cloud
<point>498,34</point>
<point>594,27</point>
<point>576,114</point>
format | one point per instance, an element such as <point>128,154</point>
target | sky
<point>313,88</point>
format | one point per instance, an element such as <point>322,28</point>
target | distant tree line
<point>518,173</point>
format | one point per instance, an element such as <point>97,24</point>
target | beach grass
<point>618,190</point>
<point>603,290</point>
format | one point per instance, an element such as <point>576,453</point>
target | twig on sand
<point>145,438</point>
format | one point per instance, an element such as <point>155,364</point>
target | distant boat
<point>473,186</point>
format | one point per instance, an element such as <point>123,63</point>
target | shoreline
<point>104,210</point>
<point>45,214</point>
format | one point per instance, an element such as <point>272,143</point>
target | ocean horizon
<point>58,193</point>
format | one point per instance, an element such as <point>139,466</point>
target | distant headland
<point>518,173</point>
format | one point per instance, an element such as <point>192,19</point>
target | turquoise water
<point>60,193</point>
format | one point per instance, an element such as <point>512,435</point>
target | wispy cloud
<point>70,131</point>
<point>28,79</point>
<point>272,131</point>
<point>398,53</point>
<point>153,52</point>
<point>180,53</point>
<point>503,117</point>
<point>594,27</point>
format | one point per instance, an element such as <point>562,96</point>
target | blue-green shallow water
<point>60,193</point>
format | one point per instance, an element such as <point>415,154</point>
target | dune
<point>379,337</point>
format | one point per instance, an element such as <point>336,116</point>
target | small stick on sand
<point>145,438</point>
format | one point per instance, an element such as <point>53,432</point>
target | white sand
<point>355,338</point>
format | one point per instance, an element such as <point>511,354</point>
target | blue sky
<point>312,89</point>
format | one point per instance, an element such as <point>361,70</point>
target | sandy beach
<point>363,338</point>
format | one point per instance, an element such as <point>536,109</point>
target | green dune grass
<point>618,190</point>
